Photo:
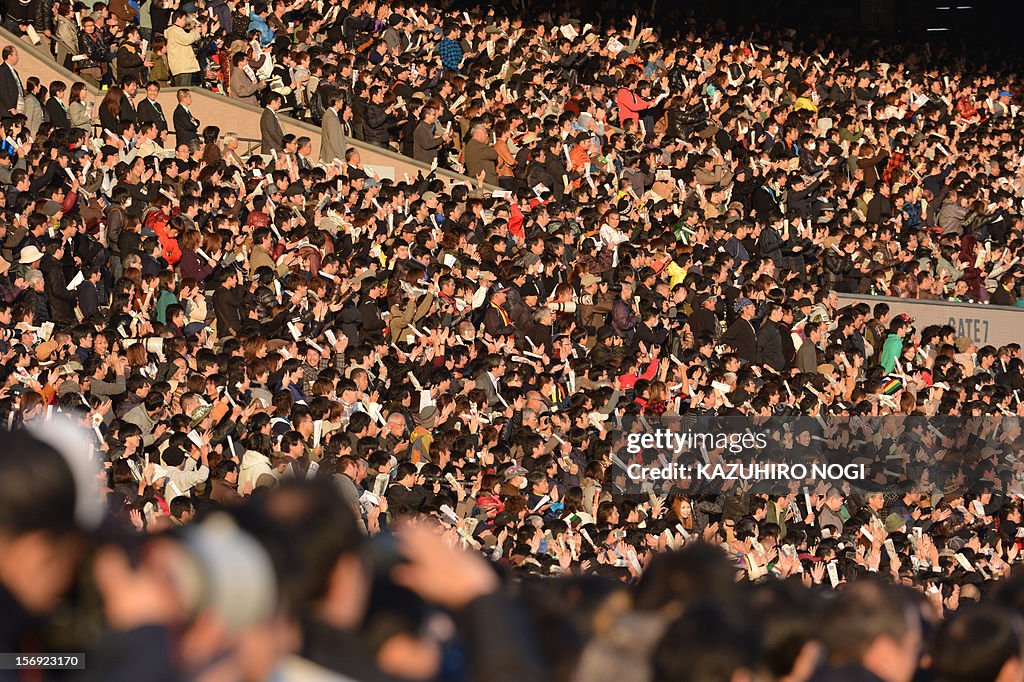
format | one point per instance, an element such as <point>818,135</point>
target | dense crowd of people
<point>335,425</point>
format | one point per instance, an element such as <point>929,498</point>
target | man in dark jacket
<point>186,126</point>
<point>12,92</point>
<point>703,319</point>
<point>227,303</point>
<point>880,206</point>
<point>130,62</point>
<point>370,320</point>
<point>406,496</point>
<point>807,355</point>
<point>624,315</point>
<point>271,133</point>
<point>555,165</point>
<point>497,321</point>
<point>649,332</point>
<point>769,340</point>
<point>426,143</point>
<point>150,109</point>
<point>537,172</point>
<point>129,89</point>
<point>62,301</point>
<point>88,292</point>
<point>377,119</point>
<point>740,336</point>
<point>770,242</point>
<point>802,195</point>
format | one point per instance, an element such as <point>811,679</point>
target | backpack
<point>316,105</point>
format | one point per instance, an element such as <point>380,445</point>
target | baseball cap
<point>194,329</point>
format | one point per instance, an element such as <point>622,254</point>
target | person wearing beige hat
<point>965,345</point>
<point>30,255</point>
<point>966,350</point>
<point>529,138</point>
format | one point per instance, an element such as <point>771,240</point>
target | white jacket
<point>254,465</point>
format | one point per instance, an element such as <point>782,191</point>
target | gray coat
<point>951,217</point>
<point>332,142</point>
<point>271,133</point>
<point>34,113</point>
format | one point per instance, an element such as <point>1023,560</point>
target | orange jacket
<point>169,245</point>
<point>630,105</point>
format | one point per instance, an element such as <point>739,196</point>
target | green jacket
<point>892,349</point>
<point>164,299</point>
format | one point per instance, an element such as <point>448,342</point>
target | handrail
<point>449,177</point>
<point>252,142</point>
<point>894,300</point>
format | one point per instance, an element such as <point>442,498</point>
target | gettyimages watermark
<point>668,445</point>
<point>783,454</point>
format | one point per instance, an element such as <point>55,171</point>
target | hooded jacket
<point>254,465</point>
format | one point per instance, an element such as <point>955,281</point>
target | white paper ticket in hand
<point>318,430</point>
<point>380,484</point>
<point>833,573</point>
<point>426,400</point>
<point>75,281</point>
<point>447,511</point>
